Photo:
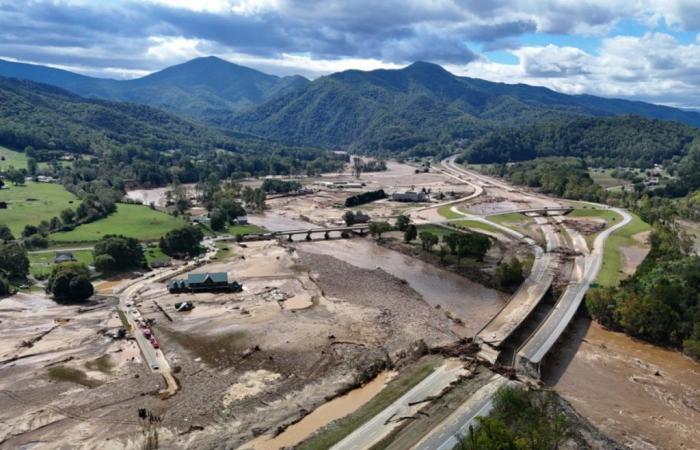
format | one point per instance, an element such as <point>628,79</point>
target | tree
<point>68,216</point>
<point>15,176</point>
<point>80,288</point>
<point>428,240</point>
<point>217,220</point>
<point>36,241</point>
<point>70,281</point>
<point>182,241</point>
<point>402,222</point>
<point>349,218</point>
<point>29,230</point>
<point>126,252</point>
<point>452,241</point>
<point>510,273</point>
<point>105,263</point>
<point>55,224</point>
<point>14,261</point>
<point>378,228</point>
<point>442,252</point>
<point>357,166</point>
<point>32,166</point>
<point>5,233</point>
<point>5,288</point>
<point>410,234</point>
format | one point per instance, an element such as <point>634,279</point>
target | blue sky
<point>642,49</point>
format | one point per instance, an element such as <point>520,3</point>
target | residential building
<point>204,282</point>
<point>409,196</point>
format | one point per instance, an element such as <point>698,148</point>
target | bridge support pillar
<point>308,236</point>
<point>327,235</point>
<point>289,238</point>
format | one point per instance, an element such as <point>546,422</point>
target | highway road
<point>530,355</point>
<point>528,295</point>
<point>382,424</point>
<point>445,436</point>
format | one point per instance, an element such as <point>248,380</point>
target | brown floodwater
<point>643,396</point>
<point>322,416</point>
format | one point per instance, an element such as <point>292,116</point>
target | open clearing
<point>137,221</point>
<point>15,159</point>
<point>34,202</point>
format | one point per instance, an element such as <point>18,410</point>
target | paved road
<point>382,424</point>
<point>530,355</point>
<point>154,358</point>
<point>445,436</point>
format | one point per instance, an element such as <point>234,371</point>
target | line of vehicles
<point>143,324</point>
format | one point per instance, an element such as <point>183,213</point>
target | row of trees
<point>460,245</point>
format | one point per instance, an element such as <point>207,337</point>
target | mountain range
<point>380,110</point>
<point>203,88</point>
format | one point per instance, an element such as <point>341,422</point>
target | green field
<point>137,221</point>
<point>241,230</point>
<point>41,262</point>
<point>15,159</point>
<point>447,213</point>
<point>605,179</point>
<point>610,273</point>
<point>34,202</point>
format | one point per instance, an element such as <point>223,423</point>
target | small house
<point>61,257</point>
<point>361,217</point>
<point>242,220</point>
<point>409,196</point>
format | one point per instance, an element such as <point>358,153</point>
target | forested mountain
<point>46,117</point>
<point>397,109</point>
<point>138,143</point>
<point>604,141</point>
<point>204,88</point>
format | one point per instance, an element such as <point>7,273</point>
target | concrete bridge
<point>344,231</point>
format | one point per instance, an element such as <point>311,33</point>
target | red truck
<point>154,342</point>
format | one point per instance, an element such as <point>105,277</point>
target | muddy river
<point>473,303</point>
<point>644,396</point>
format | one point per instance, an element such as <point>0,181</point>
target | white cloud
<point>173,49</point>
<point>654,67</point>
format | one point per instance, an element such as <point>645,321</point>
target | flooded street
<point>644,396</point>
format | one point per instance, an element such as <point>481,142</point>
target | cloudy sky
<point>644,49</point>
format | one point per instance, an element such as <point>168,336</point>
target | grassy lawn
<point>137,221</point>
<point>610,273</point>
<point>224,250</point>
<point>476,225</point>
<point>240,230</point>
<point>154,253</point>
<point>605,179</point>
<point>337,430</point>
<point>15,159</point>
<point>41,263</point>
<point>447,213</point>
<point>32,203</point>
<point>610,217</point>
<point>508,218</point>
<point>435,229</point>
<point>18,160</point>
